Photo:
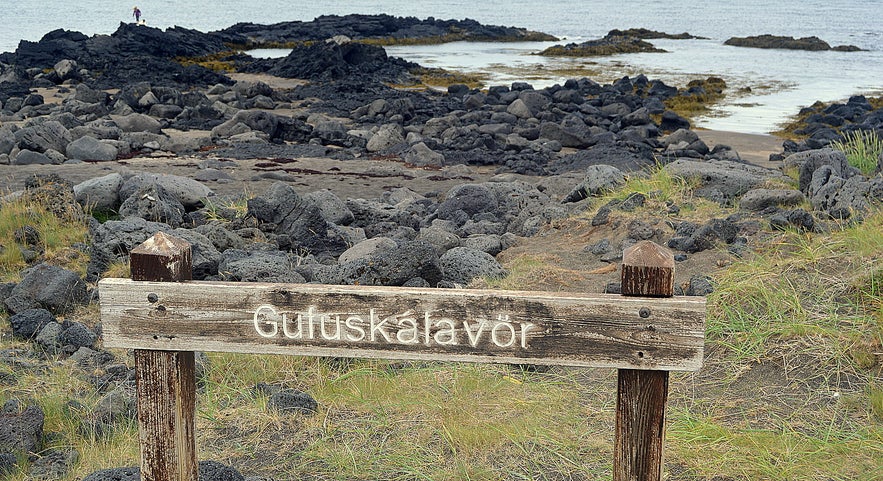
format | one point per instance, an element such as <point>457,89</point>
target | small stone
<point>288,400</point>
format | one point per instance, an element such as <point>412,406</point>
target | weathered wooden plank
<point>405,323</point>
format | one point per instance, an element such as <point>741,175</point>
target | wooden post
<point>165,379</point>
<point>647,270</point>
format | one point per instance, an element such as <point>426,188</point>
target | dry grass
<point>56,236</point>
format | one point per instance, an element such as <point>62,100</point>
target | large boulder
<point>461,265</point>
<point>29,157</point>
<point>331,206</point>
<point>386,267</point>
<point>28,323</point>
<point>808,162</point>
<point>625,157</point>
<point>466,200</point>
<point>137,123</point>
<point>722,178</point>
<point>100,193</point>
<point>599,179</point>
<point>299,222</point>
<point>154,203</point>
<point>220,236</point>
<point>113,240</point>
<point>43,136</point>
<point>568,137</point>
<point>537,101</point>
<point>367,248</point>
<point>442,239</point>
<point>53,288</point>
<point>188,192</point>
<point>760,199</point>
<point>204,256</point>
<point>386,137</point>
<point>840,197</point>
<point>89,148</point>
<point>252,120</point>
<point>370,213</point>
<point>259,266</point>
<point>21,430</point>
<point>7,140</point>
<point>420,155</point>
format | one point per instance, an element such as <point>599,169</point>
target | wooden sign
<point>405,323</point>
<point>165,316</point>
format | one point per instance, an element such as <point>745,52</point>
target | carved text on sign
<point>406,328</point>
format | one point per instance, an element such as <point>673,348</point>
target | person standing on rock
<point>136,12</point>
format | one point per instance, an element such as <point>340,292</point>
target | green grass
<point>381,420</point>
<point>801,286</point>
<point>227,208</point>
<point>780,452</point>
<point>57,235</point>
<point>661,188</point>
<point>53,389</point>
<point>862,148</point>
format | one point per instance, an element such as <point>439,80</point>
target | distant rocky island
<point>812,44</point>
<point>379,29</point>
<point>615,42</point>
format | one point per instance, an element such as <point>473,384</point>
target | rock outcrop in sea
<point>812,44</point>
<point>380,29</point>
<point>613,43</point>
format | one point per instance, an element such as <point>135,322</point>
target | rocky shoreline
<point>496,167</point>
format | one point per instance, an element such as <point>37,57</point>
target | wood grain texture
<point>166,414</point>
<point>166,380</point>
<point>641,397</point>
<point>437,324</point>
<point>648,270</point>
<point>161,258</point>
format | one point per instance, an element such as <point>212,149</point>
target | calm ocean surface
<point>780,81</point>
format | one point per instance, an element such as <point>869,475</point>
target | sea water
<point>772,84</point>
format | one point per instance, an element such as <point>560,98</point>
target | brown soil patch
<point>754,148</point>
<point>569,266</point>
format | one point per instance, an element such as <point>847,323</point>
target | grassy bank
<point>791,387</point>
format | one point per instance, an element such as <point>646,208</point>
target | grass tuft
<point>56,236</point>
<point>863,149</point>
<point>227,208</point>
